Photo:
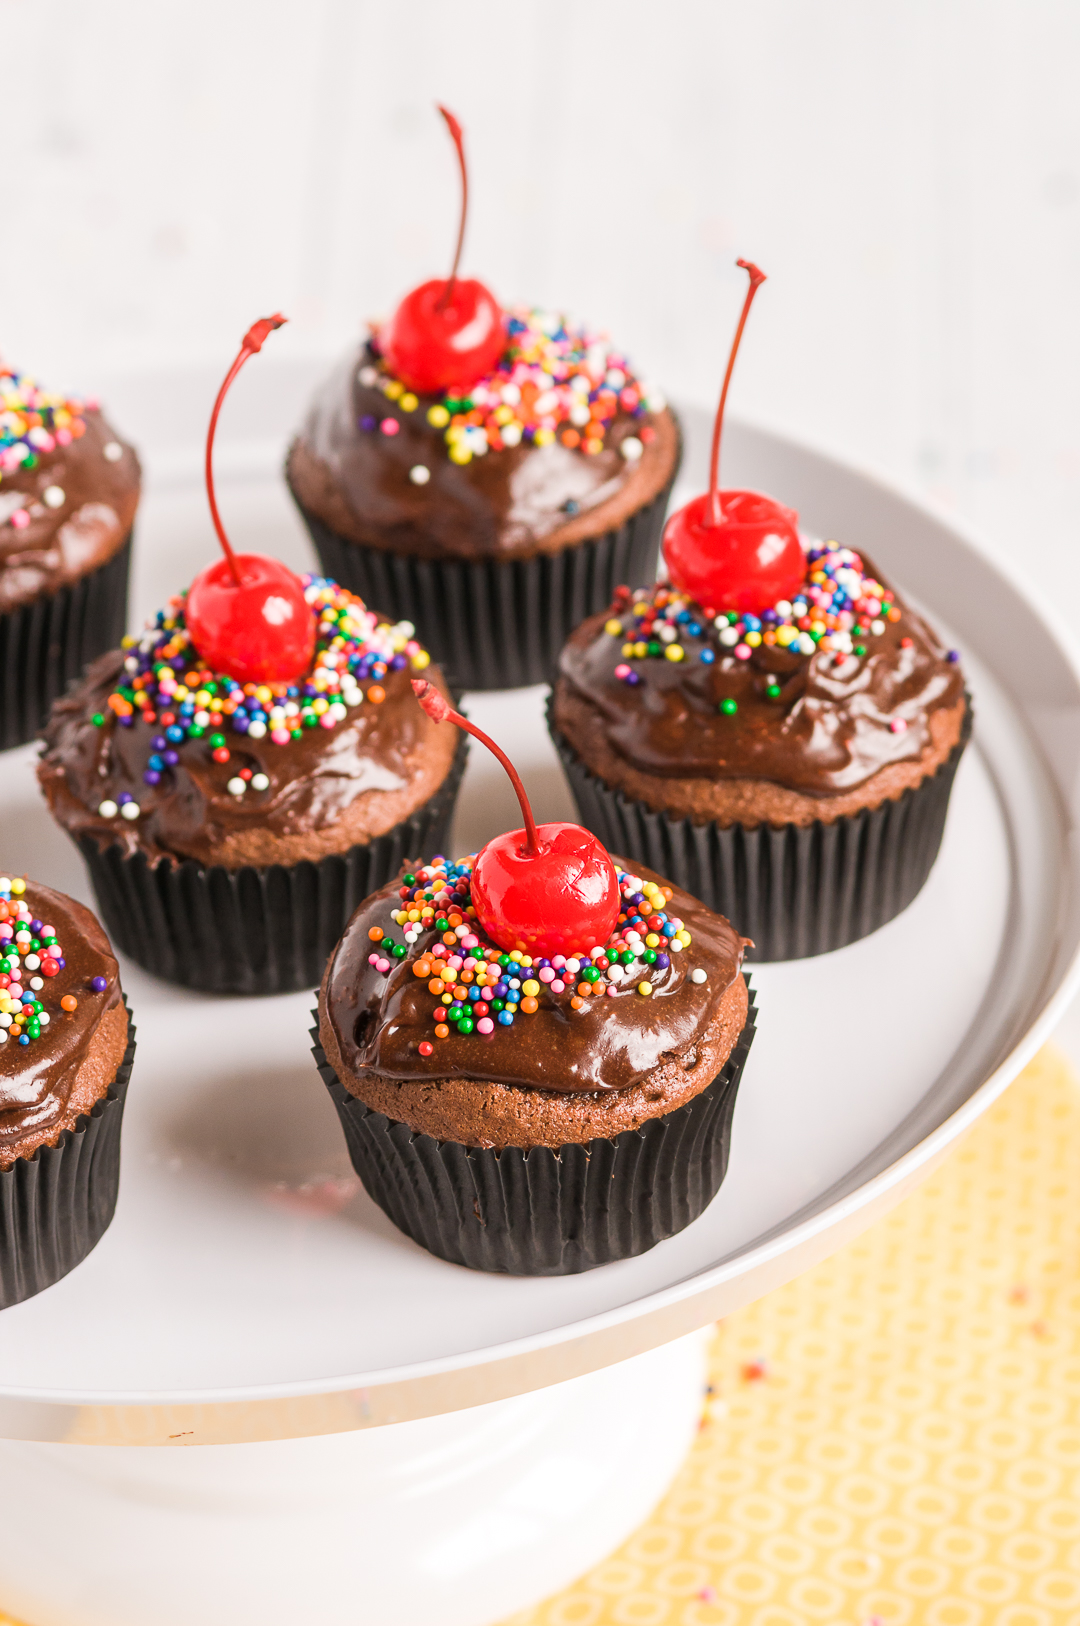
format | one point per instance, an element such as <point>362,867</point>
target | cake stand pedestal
<point>461,1519</point>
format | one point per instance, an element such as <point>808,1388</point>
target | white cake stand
<point>388,1439</point>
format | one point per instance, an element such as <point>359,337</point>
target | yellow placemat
<point>894,1437</point>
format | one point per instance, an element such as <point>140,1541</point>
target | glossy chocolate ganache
<point>560,443</point>
<point>75,1026</point>
<point>69,487</point>
<point>161,756</point>
<point>830,702</point>
<point>429,1022</point>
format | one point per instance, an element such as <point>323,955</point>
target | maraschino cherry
<point>247,614</point>
<point>445,335</point>
<point>547,889</point>
<point>735,550</point>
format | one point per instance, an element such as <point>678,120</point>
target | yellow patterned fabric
<point>894,1437</point>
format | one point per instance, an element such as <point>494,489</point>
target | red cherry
<point>246,613</point>
<point>262,631</point>
<point>445,335</point>
<point>434,343</point>
<point>546,889</point>
<point>735,550</point>
<point>749,562</point>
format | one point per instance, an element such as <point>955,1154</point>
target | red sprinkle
<point>426,1049</point>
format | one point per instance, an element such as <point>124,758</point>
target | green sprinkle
<point>773,691</point>
<point>408,880</point>
<point>497,1004</point>
<point>860,649</point>
<point>398,951</point>
<point>729,707</point>
<point>217,740</point>
<point>649,956</point>
<point>195,732</point>
<point>98,720</point>
<point>654,648</point>
<point>466,1025</point>
<point>591,974</point>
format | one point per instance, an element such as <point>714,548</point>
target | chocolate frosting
<point>36,1080</point>
<point>511,502</point>
<point>611,1043</point>
<point>314,780</point>
<point>829,730</point>
<point>62,543</point>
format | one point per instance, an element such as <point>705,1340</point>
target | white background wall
<point>907,171</point>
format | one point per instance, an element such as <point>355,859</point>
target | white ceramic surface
<point>460,1520</point>
<point>244,1271</point>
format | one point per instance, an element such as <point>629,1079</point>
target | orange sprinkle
<point>576,1003</point>
<point>570,437</point>
<point>442,1031</point>
<point>436,986</point>
<point>584,989</point>
<point>69,1003</point>
<point>376,934</point>
<point>376,694</point>
<point>529,1005</point>
<point>422,968</point>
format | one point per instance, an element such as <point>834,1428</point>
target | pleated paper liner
<point>497,624</point>
<point>797,890</point>
<point>542,1212</point>
<point>57,1205</point>
<point>253,931</point>
<point>45,645</point>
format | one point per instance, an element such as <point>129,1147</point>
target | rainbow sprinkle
<point>170,690</point>
<point>479,987</point>
<point>33,422</point>
<point>838,611</point>
<point>555,381</point>
<point>29,953</point>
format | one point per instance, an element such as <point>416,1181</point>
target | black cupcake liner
<point>56,1206</point>
<point>796,890</point>
<point>494,623</point>
<point>253,930</point>
<point>542,1212</point>
<point>45,645</point>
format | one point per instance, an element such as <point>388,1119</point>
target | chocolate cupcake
<point>776,730</point>
<point>66,1050</point>
<point>544,1112</point>
<point>240,777</point>
<point>489,475</point>
<point>69,487</point>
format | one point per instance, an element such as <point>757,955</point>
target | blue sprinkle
<point>708,656</point>
<point>505,1017</point>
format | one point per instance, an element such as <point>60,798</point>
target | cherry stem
<point>440,710</point>
<point>457,135</point>
<point>715,509</point>
<point>253,341</point>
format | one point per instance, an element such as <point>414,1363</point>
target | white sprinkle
<point>674,946</point>
<point>368,376</point>
<point>236,787</point>
<point>44,1018</point>
<point>112,451</point>
<point>256,731</point>
<point>877,628</point>
<point>53,497</point>
<point>3,1034</point>
<point>579,415</point>
<point>419,474</point>
<point>32,961</point>
<point>511,394</point>
<point>511,434</point>
<point>729,637</point>
<point>130,810</point>
<point>631,448</point>
<point>615,379</point>
<point>697,975</point>
<point>259,781</point>
<point>107,810</point>
<point>668,634</point>
<point>5,1021</point>
<point>806,644</point>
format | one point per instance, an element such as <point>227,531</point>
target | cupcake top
<point>69,487</point>
<point>816,694</point>
<point>58,980</point>
<point>157,753</point>
<point>416,991</point>
<point>559,442</point>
